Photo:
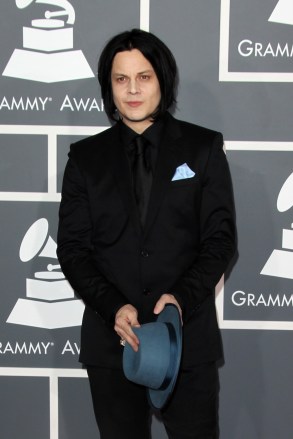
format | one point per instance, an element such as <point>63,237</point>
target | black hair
<point>155,51</point>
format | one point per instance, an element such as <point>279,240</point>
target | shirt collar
<point>153,133</point>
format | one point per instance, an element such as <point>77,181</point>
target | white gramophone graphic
<point>47,54</point>
<point>280,263</point>
<point>50,301</point>
<point>283,12</point>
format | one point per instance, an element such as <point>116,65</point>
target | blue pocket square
<point>182,172</point>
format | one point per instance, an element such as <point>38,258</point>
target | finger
<point>163,301</point>
<point>133,321</point>
<point>131,339</point>
<point>133,344</point>
<point>125,332</point>
<point>160,305</point>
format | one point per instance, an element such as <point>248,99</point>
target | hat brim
<point>158,398</point>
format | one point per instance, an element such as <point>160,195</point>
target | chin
<point>137,118</point>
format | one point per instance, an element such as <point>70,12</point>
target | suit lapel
<point>167,162</point>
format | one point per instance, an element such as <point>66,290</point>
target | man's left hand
<point>164,300</point>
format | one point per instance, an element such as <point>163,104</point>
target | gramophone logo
<point>283,12</point>
<point>47,54</point>
<point>280,263</point>
<point>50,301</point>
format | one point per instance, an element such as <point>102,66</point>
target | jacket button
<point>146,292</point>
<point>144,253</point>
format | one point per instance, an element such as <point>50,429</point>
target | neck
<point>138,126</point>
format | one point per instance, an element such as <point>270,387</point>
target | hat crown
<point>150,364</point>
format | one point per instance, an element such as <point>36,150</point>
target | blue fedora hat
<point>157,361</point>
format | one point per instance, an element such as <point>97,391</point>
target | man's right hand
<point>125,318</point>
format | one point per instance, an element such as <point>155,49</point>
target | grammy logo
<point>47,54</point>
<point>280,263</point>
<point>50,301</point>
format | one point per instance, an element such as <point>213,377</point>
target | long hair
<point>155,51</point>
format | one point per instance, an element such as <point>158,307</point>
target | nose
<point>133,86</point>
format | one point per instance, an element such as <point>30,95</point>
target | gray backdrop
<point>235,62</point>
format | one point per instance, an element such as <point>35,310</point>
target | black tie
<point>142,176</point>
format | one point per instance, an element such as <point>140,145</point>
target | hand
<point>125,318</point>
<point>164,300</point>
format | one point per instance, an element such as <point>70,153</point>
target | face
<point>135,88</point>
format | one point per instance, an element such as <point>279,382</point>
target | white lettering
<point>81,104</point>
<point>283,51</point>
<point>248,48</point>
<point>43,102</point>
<point>275,301</point>
<point>269,50</point>
<point>95,106</point>
<point>32,105</point>
<point>238,301</point>
<point>24,104</point>
<point>70,349</point>
<point>26,348</point>
<point>45,347</point>
<point>67,104</point>
<point>4,104</point>
<point>20,349</point>
<point>261,301</point>
<point>67,348</point>
<point>8,348</point>
<point>34,349</point>
<point>17,105</point>
<point>258,49</point>
<point>250,299</point>
<point>287,301</point>
<point>77,348</point>
<point>240,298</point>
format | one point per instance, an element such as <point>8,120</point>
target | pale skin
<point>135,88</point>
<point>136,94</point>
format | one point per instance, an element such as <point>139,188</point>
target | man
<point>146,219</point>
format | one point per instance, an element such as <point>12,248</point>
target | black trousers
<point>122,410</point>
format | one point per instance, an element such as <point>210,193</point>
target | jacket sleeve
<point>74,248</point>
<point>217,234</point>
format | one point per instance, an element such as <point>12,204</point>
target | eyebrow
<point>139,73</point>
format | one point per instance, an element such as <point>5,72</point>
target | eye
<point>145,77</point>
<point>121,79</point>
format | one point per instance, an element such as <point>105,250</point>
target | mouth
<point>134,104</point>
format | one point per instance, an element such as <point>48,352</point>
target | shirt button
<point>144,253</point>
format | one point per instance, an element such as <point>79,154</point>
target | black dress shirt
<point>152,134</point>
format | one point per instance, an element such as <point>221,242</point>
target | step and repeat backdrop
<point>236,74</point>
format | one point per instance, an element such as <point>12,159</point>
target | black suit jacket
<point>185,247</point>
